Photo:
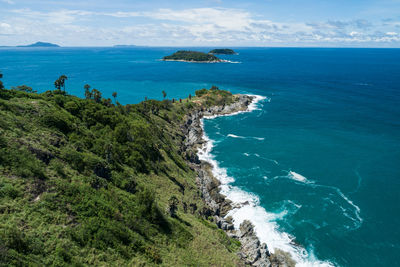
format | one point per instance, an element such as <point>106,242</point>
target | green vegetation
<point>192,56</point>
<point>1,83</point>
<point>86,182</point>
<point>224,51</point>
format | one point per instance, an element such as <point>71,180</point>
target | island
<point>124,46</point>
<point>192,56</point>
<point>223,51</point>
<point>40,44</point>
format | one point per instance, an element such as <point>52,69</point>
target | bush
<point>58,120</point>
<point>8,190</point>
<point>72,107</point>
<point>201,92</point>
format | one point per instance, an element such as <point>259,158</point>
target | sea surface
<point>317,161</point>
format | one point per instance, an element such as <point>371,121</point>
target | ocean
<point>316,161</point>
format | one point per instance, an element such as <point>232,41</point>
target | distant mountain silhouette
<point>40,44</point>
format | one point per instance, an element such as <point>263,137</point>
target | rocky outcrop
<point>252,251</point>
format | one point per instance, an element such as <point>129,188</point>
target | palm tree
<point>57,84</point>
<point>96,95</point>
<point>88,94</point>
<point>164,94</point>
<point>60,82</point>
<point>115,96</point>
<point>63,78</point>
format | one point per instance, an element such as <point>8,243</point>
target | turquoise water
<point>318,160</point>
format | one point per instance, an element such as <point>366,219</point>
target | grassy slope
<point>85,183</point>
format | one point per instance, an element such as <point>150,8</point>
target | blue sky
<point>322,23</point>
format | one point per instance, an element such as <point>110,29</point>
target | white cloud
<point>198,26</point>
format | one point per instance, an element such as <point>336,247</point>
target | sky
<point>298,23</point>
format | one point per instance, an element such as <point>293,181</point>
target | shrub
<point>201,92</point>
<point>72,107</point>
<point>8,190</point>
<point>58,120</point>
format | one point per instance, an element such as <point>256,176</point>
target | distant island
<point>192,56</point>
<point>124,46</point>
<point>224,51</point>
<point>40,44</point>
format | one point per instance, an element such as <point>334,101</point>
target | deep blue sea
<point>317,160</point>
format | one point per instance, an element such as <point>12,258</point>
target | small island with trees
<point>223,51</point>
<point>192,56</point>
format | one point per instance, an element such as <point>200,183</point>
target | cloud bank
<point>189,27</point>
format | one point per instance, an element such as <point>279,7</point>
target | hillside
<point>191,56</point>
<point>88,182</point>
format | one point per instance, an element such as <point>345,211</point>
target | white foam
<point>254,104</point>
<point>236,136</point>
<point>357,211</point>
<point>244,137</point>
<point>247,206</point>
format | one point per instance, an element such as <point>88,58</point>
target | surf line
<point>246,205</point>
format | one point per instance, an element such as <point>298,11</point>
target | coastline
<point>235,211</point>
<point>253,252</point>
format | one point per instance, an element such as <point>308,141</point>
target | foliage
<point>223,51</point>
<point>1,83</point>
<point>84,182</point>
<point>191,56</point>
<point>23,88</point>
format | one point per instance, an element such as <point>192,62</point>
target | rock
<point>256,254</point>
<point>282,259</point>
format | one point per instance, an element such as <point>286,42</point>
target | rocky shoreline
<point>253,252</point>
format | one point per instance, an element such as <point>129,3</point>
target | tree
<point>107,102</point>
<point>60,82</point>
<point>164,94</point>
<point>57,84</point>
<point>88,94</point>
<point>115,96</point>
<point>96,95</point>
<point>63,78</point>
<point>1,83</point>
<point>214,87</point>
<point>172,206</point>
<point>23,88</point>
